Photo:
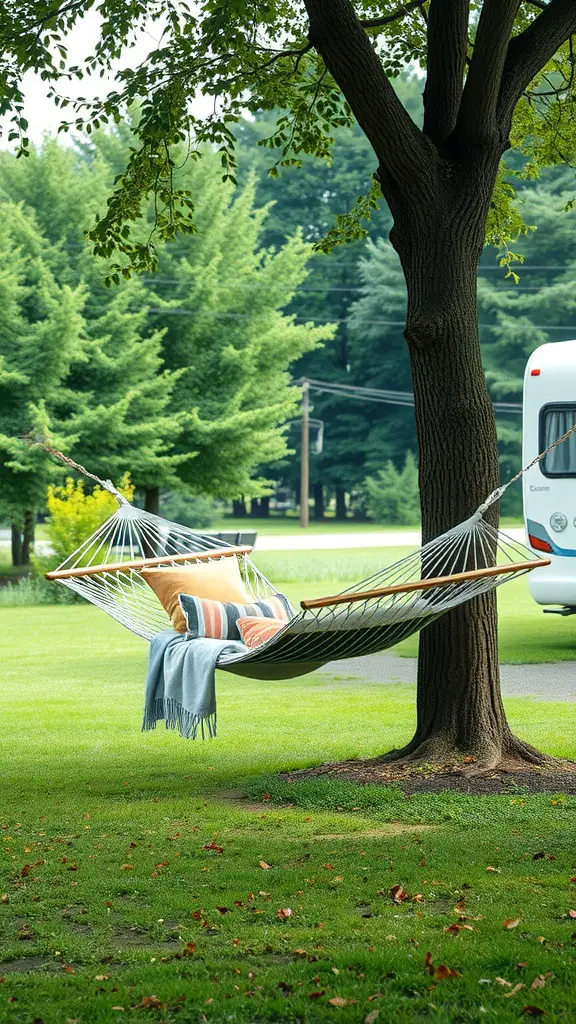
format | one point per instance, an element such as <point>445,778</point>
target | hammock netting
<point>467,561</point>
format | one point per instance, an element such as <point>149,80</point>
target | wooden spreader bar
<point>147,563</point>
<point>429,584</point>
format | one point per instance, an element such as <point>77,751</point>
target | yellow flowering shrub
<point>75,515</point>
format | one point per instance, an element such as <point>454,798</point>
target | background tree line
<point>184,376</point>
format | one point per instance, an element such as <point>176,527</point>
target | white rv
<point>550,486</point>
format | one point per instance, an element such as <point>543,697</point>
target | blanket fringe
<point>177,717</point>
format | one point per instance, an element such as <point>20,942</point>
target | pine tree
<point>40,336</point>
<point>119,396</point>
<point>220,297</point>
<point>114,406</point>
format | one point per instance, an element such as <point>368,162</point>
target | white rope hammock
<point>471,559</point>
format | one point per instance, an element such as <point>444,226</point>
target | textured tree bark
<point>318,495</point>
<point>265,506</point>
<point>459,707</point>
<point>28,536</point>
<point>16,543</point>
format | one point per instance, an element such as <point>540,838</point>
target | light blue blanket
<point>180,685</point>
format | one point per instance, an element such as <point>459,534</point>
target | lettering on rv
<point>532,488</point>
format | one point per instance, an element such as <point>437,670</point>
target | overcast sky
<point>43,116</point>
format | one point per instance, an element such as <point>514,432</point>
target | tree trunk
<point>239,508</point>
<point>459,707</point>
<point>151,505</point>
<point>152,500</point>
<point>265,506</point>
<point>318,494</point>
<point>340,503</point>
<point>16,542</point>
<point>28,536</point>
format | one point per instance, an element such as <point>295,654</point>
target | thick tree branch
<point>403,151</point>
<point>530,51</point>
<point>477,122</point>
<point>447,49</point>
<point>387,19</point>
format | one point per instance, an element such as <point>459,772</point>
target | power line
<point>253,286</point>
<point>389,397</point>
<point>323,323</point>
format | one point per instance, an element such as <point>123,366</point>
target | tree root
<point>438,753</point>
<point>439,757</point>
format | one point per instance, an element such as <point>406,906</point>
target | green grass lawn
<point>277,525</point>
<point>140,885</point>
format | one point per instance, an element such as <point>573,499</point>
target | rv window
<point>556,420</point>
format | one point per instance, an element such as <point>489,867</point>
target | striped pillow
<point>219,620</point>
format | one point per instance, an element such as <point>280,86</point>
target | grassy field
<point>277,525</point>
<point>141,883</point>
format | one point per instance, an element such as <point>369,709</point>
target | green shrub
<point>33,590</point>
<point>392,496</point>
<point>73,517</point>
<point>196,511</point>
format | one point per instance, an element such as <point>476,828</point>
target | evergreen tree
<point>219,298</point>
<point>118,397</point>
<point>114,402</point>
<point>40,337</point>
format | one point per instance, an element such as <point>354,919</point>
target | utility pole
<point>305,455</point>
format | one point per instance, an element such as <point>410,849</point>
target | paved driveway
<point>542,682</point>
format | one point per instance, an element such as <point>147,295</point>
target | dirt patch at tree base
<point>444,778</point>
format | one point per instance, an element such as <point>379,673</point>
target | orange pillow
<point>256,630</point>
<point>219,580</point>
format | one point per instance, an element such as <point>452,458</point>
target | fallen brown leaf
<point>262,864</point>
<point>398,894</point>
<point>283,913</point>
<point>339,1001</point>
<point>317,994</point>
<point>510,923</point>
<point>149,1003</point>
<point>514,991</point>
<point>443,972</point>
<point>494,870</point>
<point>533,1011</point>
<point>371,1017</point>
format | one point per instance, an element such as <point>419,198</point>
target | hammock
<point>471,559</point>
